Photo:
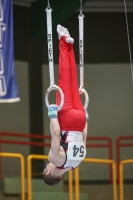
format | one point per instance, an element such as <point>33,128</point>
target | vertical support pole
<point>70,185</point>
<point>36,121</point>
<point>114,180</point>
<point>121,180</point>
<point>77,183</point>
<point>22,178</point>
<point>29,177</point>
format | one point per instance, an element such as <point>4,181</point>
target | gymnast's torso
<point>74,148</point>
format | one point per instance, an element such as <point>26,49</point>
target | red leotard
<point>72,115</point>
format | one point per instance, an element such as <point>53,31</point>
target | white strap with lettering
<point>53,86</point>
<point>76,151</point>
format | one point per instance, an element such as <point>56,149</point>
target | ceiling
<point>93,5</point>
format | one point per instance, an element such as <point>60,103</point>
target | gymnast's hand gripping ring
<point>83,91</point>
<point>54,87</point>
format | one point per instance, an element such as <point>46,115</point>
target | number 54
<point>78,149</point>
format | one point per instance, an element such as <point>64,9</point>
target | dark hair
<point>51,179</point>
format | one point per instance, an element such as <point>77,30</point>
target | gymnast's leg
<point>64,81</point>
<point>77,103</point>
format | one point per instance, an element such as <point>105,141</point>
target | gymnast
<point>68,127</point>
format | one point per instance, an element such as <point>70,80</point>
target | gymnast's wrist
<point>52,111</point>
<point>87,115</point>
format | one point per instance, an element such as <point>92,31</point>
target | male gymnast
<point>68,126</point>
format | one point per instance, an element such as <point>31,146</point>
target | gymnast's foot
<point>63,31</point>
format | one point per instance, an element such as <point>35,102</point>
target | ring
<point>54,87</point>
<point>83,91</point>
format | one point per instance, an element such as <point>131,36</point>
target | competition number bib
<point>76,151</point>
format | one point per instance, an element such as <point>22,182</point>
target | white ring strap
<point>51,61</point>
<point>81,49</point>
<point>50,45</point>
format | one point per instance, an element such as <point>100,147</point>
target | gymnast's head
<point>48,175</point>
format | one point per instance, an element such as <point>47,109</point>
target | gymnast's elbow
<point>55,133</point>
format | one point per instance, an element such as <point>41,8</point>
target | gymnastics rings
<point>54,87</point>
<point>83,91</point>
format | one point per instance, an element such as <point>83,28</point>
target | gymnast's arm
<point>85,133</point>
<point>55,136</point>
